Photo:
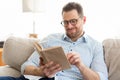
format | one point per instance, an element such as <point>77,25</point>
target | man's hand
<point>49,69</point>
<point>74,58</point>
<point>88,74</point>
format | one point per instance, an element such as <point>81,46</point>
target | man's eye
<point>65,22</point>
<point>73,21</point>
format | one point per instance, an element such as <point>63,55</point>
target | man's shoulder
<point>56,35</point>
<point>92,40</point>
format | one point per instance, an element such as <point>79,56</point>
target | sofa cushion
<point>112,58</point>
<point>17,50</point>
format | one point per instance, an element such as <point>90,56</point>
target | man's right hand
<point>49,69</point>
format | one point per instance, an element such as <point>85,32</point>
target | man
<point>84,53</point>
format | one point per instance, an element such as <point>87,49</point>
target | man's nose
<point>69,25</point>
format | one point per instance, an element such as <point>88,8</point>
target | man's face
<point>73,23</point>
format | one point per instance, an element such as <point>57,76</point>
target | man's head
<point>73,19</point>
<point>72,5</point>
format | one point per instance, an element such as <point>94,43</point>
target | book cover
<point>55,54</point>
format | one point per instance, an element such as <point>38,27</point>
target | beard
<point>74,32</point>
<point>73,35</point>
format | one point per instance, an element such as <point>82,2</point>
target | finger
<point>53,70</point>
<point>74,59</point>
<point>49,64</point>
<point>69,56</point>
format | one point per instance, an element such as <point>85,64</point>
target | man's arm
<point>34,66</point>
<point>87,73</point>
<point>32,70</point>
<point>46,70</point>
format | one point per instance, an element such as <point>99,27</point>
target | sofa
<point>17,50</point>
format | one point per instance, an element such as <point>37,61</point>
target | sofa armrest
<point>9,71</point>
<point>16,51</point>
<point>112,58</point>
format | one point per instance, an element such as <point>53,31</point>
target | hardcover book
<point>55,54</point>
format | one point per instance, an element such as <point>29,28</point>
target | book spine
<point>44,58</point>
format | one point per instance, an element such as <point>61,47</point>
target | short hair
<point>73,5</point>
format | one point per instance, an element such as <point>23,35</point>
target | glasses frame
<point>71,21</point>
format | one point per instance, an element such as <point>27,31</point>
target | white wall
<point>102,18</point>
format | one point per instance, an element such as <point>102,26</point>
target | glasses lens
<point>64,23</point>
<point>72,22</point>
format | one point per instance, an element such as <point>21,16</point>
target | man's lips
<point>70,29</point>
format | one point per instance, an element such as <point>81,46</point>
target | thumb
<point>41,61</point>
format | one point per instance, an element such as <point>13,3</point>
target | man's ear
<point>84,19</point>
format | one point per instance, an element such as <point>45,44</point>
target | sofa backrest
<point>112,58</point>
<point>17,50</point>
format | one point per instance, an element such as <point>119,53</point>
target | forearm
<point>32,70</point>
<point>87,73</point>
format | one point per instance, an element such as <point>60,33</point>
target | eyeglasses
<point>72,22</point>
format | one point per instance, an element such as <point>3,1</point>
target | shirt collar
<point>83,38</point>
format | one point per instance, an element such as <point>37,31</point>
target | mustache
<point>69,28</point>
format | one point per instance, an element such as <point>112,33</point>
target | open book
<point>55,54</point>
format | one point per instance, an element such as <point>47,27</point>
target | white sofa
<point>17,50</point>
